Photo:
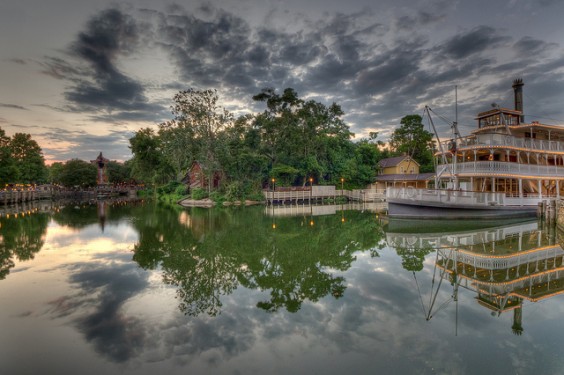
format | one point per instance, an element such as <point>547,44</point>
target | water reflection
<point>23,227</point>
<point>339,296</point>
<point>22,235</point>
<point>207,253</point>
<point>504,266</point>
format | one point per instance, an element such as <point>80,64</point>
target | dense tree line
<point>21,160</point>
<point>292,140</point>
<point>80,173</point>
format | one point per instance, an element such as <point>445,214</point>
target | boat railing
<point>446,196</point>
<point>507,140</point>
<point>486,167</point>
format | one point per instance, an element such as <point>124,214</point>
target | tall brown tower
<point>101,162</point>
<point>518,90</point>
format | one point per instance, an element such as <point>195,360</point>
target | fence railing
<point>499,167</point>
<point>541,145</point>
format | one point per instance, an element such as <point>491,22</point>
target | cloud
<point>527,46</point>
<point>17,61</point>
<point>107,328</point>
<point>97,85</point>
<point>378,69</point>
<point>13,106</point>
<point>422,18</point>
<point>82,145</point>
<point>475,41</point>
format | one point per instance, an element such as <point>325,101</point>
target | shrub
<point>198,193</point>
<point>217,197</point>
<point>169,188</point>
<point>234,191</point>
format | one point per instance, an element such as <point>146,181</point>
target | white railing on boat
<point>540,145</point>
<point>451,197</point>
<point>459,197</point>
<point>489,168</point>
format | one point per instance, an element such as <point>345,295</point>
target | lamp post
<point>273,188</point>
<point>310,189</point>
<point>342,188</point>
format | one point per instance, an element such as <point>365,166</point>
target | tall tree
<point>412,139</point>
<point>148,163</point>
<point>8,170</point>
<point>195,131</point>
<point>28,158</point>
<point>55,171</point>
<point>301,135</point>
<point>244,166</point>
<point>118,172</point>
<point>78,173</point>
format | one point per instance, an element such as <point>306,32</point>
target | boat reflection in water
<point>505,266</point>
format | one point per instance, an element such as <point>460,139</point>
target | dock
<point>316,194</point>
<point>18,195</point>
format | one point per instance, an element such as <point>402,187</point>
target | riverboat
<point>504,168</point>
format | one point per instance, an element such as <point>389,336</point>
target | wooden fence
<point>319,193</point>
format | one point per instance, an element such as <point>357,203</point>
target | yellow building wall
<point>405,167</point>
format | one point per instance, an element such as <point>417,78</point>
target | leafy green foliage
<point>149,163</point>
<point>118,172</point>
<point>412,139</point>
<point>195,133</point>
<point>300,134</point>
<point>198,193</point>
<point>29,158</point>
<point>292,140</point>
<point>8,170</point>
<point>78,173</point>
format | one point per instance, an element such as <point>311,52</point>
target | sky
<point>83,76</point>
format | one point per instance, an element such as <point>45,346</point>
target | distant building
<point>197,177</point>
<point>400,171</point>
<point>101,176</point>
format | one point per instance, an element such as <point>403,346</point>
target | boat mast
<point>455,132</point>
<point>441,150</point>
<point>456,135</point>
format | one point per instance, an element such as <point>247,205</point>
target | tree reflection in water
<point>208,253</point>
<point>22,236</point>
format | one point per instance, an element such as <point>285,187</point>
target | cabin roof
<point>498,110</point>
<point>392,162</point>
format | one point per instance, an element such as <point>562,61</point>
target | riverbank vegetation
<point>292,142</point>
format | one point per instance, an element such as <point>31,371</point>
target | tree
<point>148,163</point>
<point>412,139</point>
<point>242,163</point>
<point>118,172</point>
<point>8,170</point>
<point>302,135</point>
<point>55,171</point>
<point>28,158</point>
<point>78,173</point>
<point>195,132</point>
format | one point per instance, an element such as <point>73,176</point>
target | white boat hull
<point>410,203</point>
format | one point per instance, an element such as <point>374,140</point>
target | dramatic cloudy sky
<point>82,76</point>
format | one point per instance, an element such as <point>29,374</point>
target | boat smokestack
<point>518,90</point>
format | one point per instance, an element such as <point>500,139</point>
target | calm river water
<point>122,288</point>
